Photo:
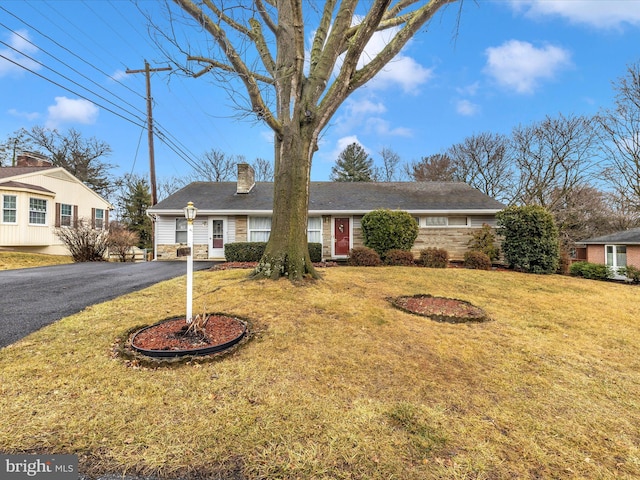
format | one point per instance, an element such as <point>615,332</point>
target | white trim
<point>2,209</point>
<point>217,252</point>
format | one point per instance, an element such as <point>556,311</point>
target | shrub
<point>244,251</point>
<point>85,244</point>
<point>121,241</point>
<point>631,272</point>
<point>592,271</point>
<point>399,257</point>
<point>434,257</point>
<point>315,252</point>
<point>253,251</point>
<point>384,230</point>
<point>477,260</point>
<point>484,240</point>
<point>530,239</point>
<point>363,257</point>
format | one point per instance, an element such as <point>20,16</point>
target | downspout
<point>152,216</point>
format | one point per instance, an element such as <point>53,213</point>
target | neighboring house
<point>37,197</point>
<point>616,250</point>
<point>447,212</point>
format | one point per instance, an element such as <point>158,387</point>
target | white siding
<point>201,231</point>
<point>231,229</point>
<point>64,189</point>
<point>166,230</point>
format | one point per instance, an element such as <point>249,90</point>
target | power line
<point>64,48</point>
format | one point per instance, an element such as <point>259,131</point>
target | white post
<point>190,271</point>
<point>190,214</point>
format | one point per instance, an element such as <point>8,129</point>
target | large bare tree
<point>553,157</point>
<point>296,88</point>
<point>484,162</point>
<point>620,127</point>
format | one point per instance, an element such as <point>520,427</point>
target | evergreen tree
<point>353,165</point>
<point>133,202</point>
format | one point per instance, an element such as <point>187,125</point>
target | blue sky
<point>510,63</point>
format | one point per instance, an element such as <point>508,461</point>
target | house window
<point>66,215</point>
<point>9,209</point>
<point>435,222</point>
<point>314,230</point>
<point>37,211</point>
<point>616,256</point>
<point>98,221</point>
<point>259,229</point>
<point>181,230</point>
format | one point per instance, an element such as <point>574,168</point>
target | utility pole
<point>152,165</point>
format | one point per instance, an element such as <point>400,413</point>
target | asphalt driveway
<point>31,298</point>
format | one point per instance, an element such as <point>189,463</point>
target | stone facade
<point>170,252</point>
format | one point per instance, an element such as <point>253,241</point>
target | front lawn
<point>13,260</point>
<point>338,384</point>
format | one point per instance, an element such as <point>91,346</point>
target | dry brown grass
<point>337,384</point>
<point>13,260</point>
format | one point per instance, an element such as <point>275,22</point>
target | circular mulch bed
<point>170,338</point>
<point>440,309</point>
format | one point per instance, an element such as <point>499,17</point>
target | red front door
<point>341,236</point>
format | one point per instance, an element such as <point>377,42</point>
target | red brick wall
<point>595,254</point>
<point>633,255</point>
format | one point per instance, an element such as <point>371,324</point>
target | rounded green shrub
<point>592,271</point>
<point>399,257</point>
<point>530,239</point>
<point>484,240</point>
<point>385,230</point>
<point>434,257</point>
<point>477,260</point>
<point>363,257</point>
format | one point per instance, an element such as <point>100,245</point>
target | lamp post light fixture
<point>190,214</point>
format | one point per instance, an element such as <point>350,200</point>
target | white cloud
<point>403,71</point>
<point>467,108</point>
<point>381,127</point>
<point>600,14</point>
<point>71,110</point>
<point>118,75</point>
<point>342,143</point>
<point>520,66</point>
<point>19,46</point>
<point>364,115</point>
<point>26,115</point>
<point>470,90</point>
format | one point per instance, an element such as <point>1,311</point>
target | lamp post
<point>190,214</point>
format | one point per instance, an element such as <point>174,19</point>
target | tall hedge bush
<point>384,230</point>
<point>530,239</point>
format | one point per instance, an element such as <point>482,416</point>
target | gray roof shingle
<point>336,196</point>
<point>7,172</point>
<point>626,237</point>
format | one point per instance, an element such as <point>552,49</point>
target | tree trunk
<point>287,252</point>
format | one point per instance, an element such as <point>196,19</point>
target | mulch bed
<point>170,334</point>
<point>440,309</point>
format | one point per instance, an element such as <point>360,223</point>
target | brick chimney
<point>26,160</point>
<point>246,178</point>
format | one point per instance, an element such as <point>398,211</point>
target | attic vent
<point>246,178</point>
